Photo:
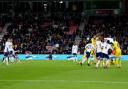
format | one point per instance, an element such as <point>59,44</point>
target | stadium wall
<point>55,57</point>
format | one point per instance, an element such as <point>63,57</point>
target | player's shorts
<point>103,55</point>
<point>6,54</point>
<point>87,54</point>
<point>74,54</point>
<point>98,54</point>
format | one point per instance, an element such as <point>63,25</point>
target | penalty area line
<point>77,81</point>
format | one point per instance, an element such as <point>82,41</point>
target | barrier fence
<point>54,56</point>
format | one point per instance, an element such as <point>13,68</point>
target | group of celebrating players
<point>105,51</point>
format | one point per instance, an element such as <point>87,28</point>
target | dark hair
<point>108,42</point>
<point>89,41</point>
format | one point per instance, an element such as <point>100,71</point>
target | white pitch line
<point>105,82</point>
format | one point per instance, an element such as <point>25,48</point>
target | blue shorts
<point>74,54</point>
<point>6,54</point>
<point>98,54</point>
<point>87,54</point>
<point>103,55</point>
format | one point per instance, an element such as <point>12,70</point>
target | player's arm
<point>17,51</point>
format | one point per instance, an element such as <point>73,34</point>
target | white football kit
<point>8,47</point>
<point>74,49</point>
<point>98,46</point>
<point>89,47</point>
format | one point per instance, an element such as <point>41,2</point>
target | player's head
<point>88,41</point>
<point>74,43</point>
<point>9,40</point>
<point>102,37</point>
<point>102,40</point>
<point>94,36</point>
<point>98,38</point>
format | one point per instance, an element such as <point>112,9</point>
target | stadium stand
<point>38,32</point>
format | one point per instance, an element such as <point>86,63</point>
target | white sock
<point>97,64</point>
<point>6,61</point>
<point>83,61</point>
<point>107,62</point>
<point>104,62</point>
<point>88,60</point>
<point>11,59</point>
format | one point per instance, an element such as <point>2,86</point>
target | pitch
<point>61,75</point>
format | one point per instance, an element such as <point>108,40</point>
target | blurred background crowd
<point>45,27</point>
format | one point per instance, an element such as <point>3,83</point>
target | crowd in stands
<point>114,26</point>
<point>40,34</point>
<point>56,33</point>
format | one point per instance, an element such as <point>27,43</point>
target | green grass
<point>61,75</point>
